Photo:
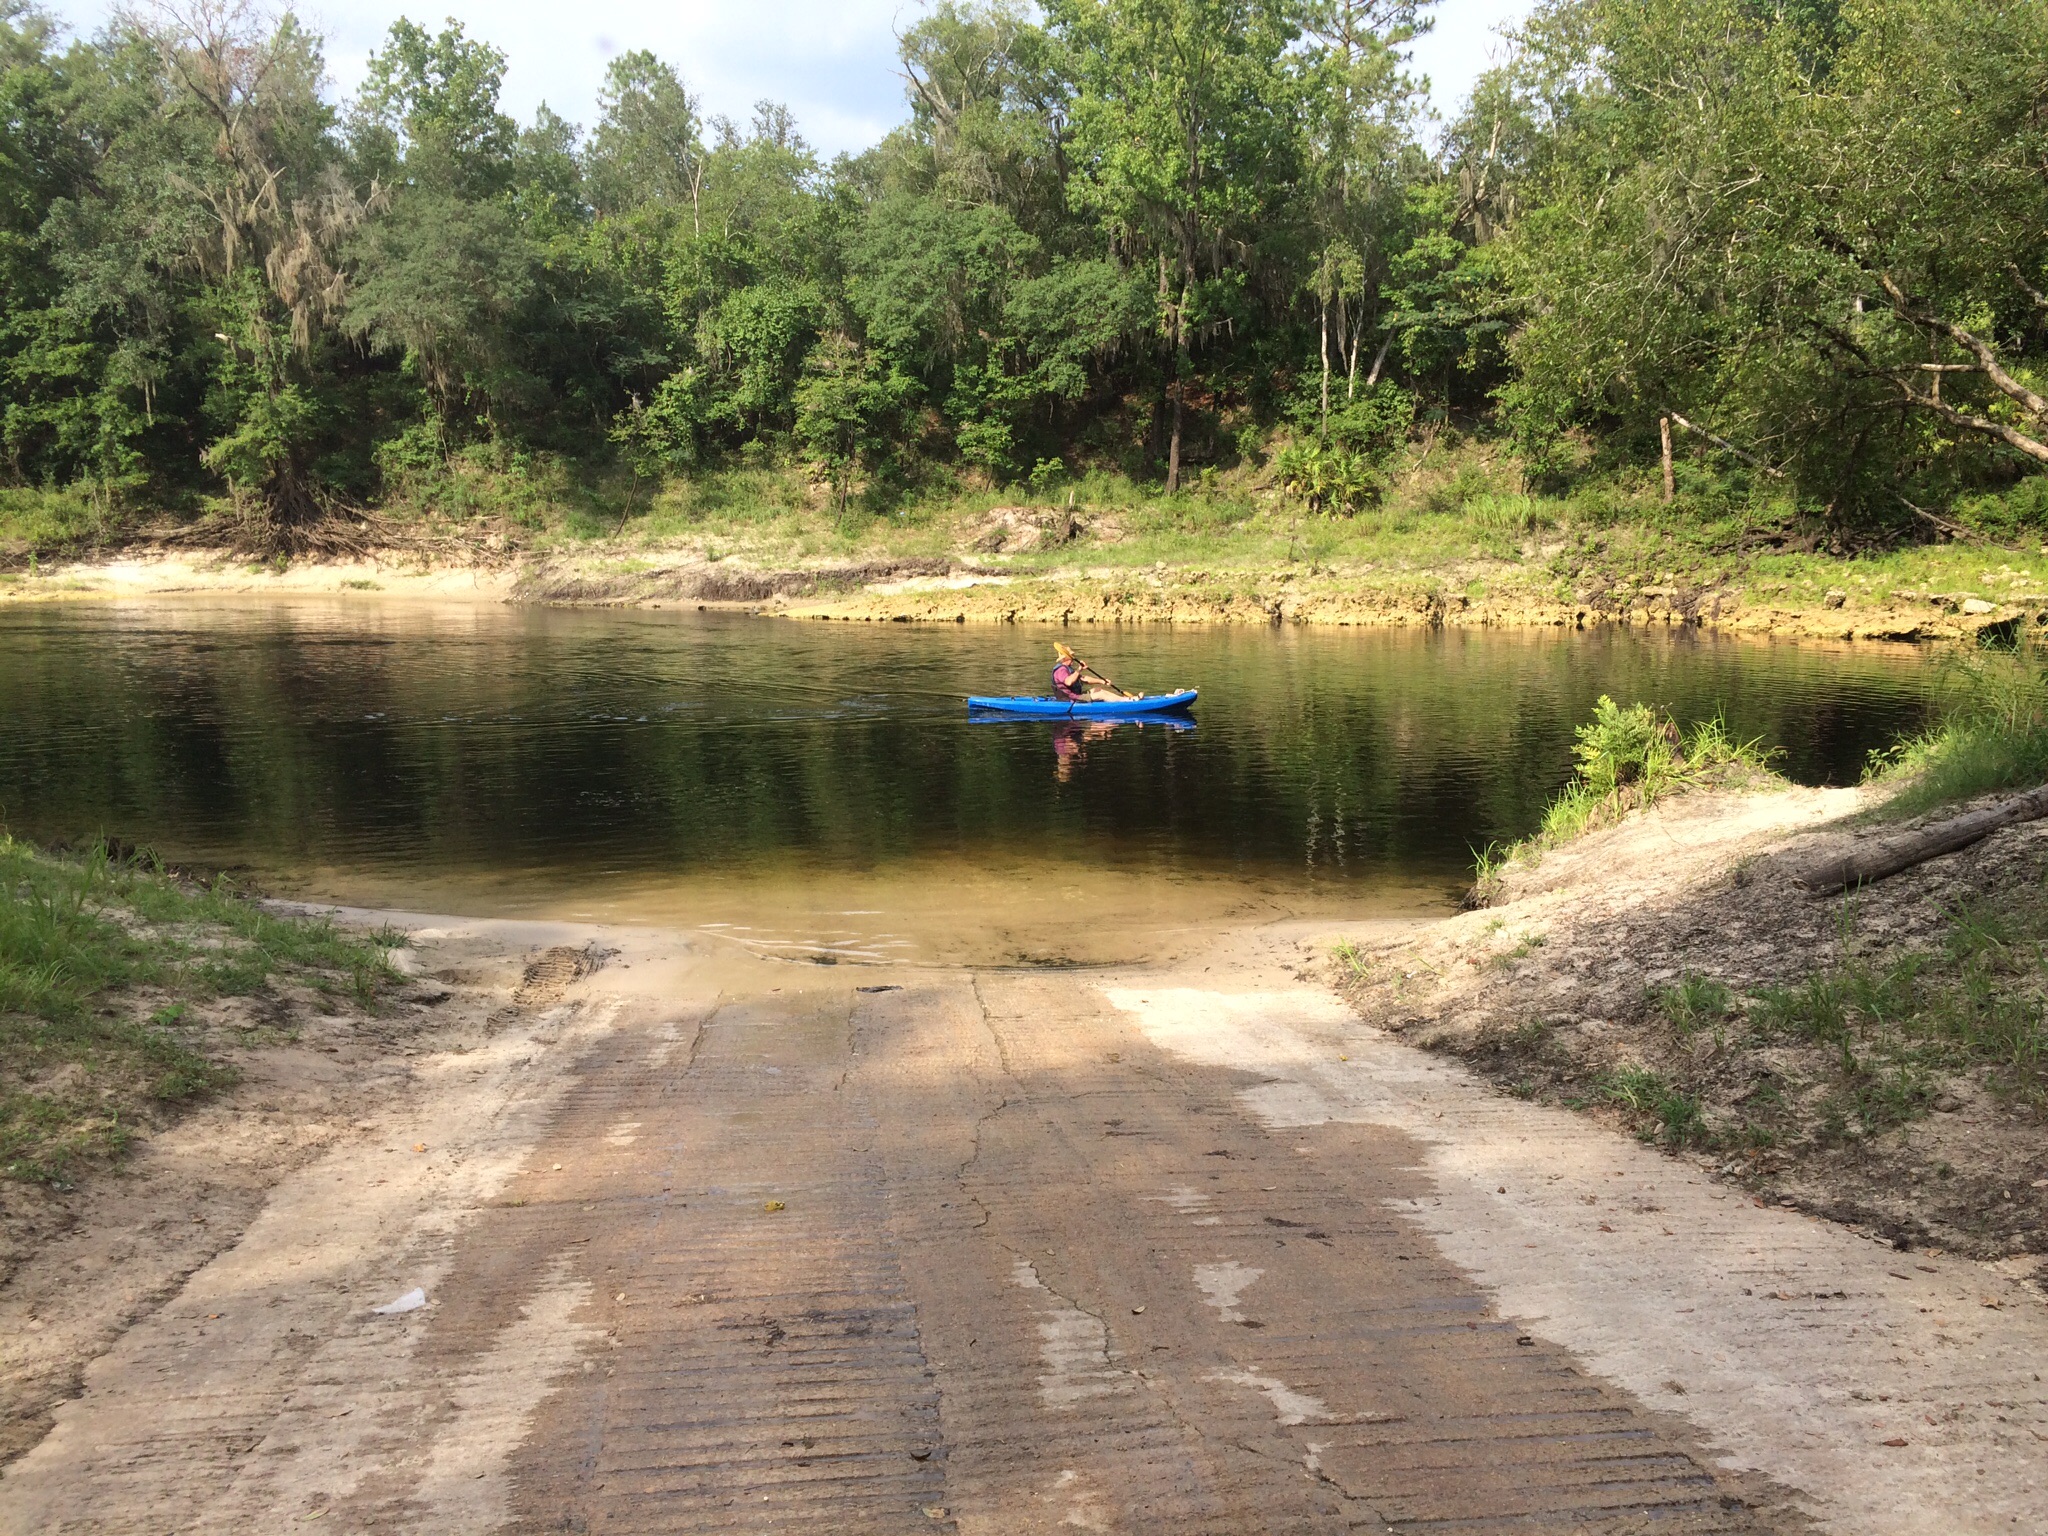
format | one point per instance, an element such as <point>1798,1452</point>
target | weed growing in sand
<point>1524,946</point>
<point>80,937</point>
<point>1663,1112</point>
<point>1351,957</point>
<point>1693,1003</point>
<point>1894,1028</point>
<point>1488,865</point>
<point>1531,1033</point>
<point>1881,1097</point>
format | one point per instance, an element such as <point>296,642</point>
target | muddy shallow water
<point>819,787</point>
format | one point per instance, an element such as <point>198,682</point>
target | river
<point>820,787</point>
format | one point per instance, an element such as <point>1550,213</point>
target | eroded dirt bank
<point>708,1241</point>
<point>1842,1054</point>
<point>984,591</point>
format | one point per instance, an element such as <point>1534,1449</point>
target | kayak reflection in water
<point>1078,683</point>
<point>1069,741</point>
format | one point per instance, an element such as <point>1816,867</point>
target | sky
<point>833,62</point>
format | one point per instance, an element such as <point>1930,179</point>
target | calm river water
<point>658,764</point>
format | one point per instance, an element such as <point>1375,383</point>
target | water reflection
<point>1070,738</point>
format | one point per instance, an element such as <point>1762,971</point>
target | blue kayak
<point>1113,709</point>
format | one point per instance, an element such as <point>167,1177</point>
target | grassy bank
<point>1881,1056</point>
<point>1992,734</point>
<point>1459,527</point>
<point>113,977</point>
<point>1887,1032</point>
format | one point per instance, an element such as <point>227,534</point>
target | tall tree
<point>1186,128</point>
<point>1815,230</point>
<point>1360,120</point>
<point>648,148</point>
<point>280,208</point>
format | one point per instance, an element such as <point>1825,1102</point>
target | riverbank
<point>1875,1058</point>
<point>1459,540</point>
<point>1932,596</point>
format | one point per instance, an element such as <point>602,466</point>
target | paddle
<point>1088,671</point>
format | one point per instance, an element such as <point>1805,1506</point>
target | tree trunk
<point>1670,484</point>
<point>1379,361</point>
<point>1326,367</point>
<point>1350,329</point>
<point>1180,358</point>
<point>1883,856</point>
<point>1173,442</point>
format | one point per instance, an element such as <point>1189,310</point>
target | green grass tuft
<point>1664,1113</point>
<point>1628,758</point>
<point>82,941</point>
<point>1992,735</point>
<point>1693,1003</point>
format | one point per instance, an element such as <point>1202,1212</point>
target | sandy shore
<point>956,591</point>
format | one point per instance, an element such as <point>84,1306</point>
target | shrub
<point>1628,758</point>
<point>2018,512</point>
<point>1329,476</point>
<point>1632,757</point>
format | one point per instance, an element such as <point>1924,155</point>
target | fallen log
<point>1884,856</point>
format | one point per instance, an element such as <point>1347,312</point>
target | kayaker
<point>1070,680</point>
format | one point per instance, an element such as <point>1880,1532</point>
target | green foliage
<point>648,151</point>
<point>1992,734</point>
<point>1328,477</point>
<point>1693,1003</point>
<point>1632,757</point>
<point>1628,758</point>
<point>844,408</point>
<point>2010,516</point>
<point>1120,237</point>
<point>1896,1024</point>
<point>428,111</point>
<point>1775,222</point>
<point>1667,1114</point>
<point>34,520</point>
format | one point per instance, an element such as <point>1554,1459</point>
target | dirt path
<point>714,1242</point>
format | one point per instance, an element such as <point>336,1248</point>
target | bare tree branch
<point>2031,447</point>
<point>1727,447</point>
<point>1971,343</point>
<point>2040,299</point>
<point>1955,531</point>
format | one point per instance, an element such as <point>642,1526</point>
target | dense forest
<point>1164,237</point>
